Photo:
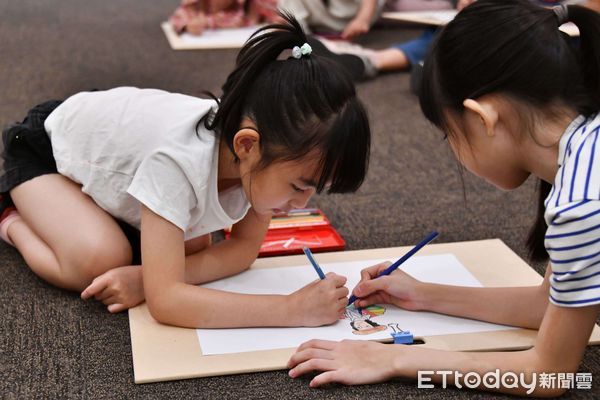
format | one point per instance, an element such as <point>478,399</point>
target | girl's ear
<point>486,111</point>
<point>246,144</point>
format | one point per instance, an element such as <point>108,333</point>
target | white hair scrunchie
<point>298,52</point>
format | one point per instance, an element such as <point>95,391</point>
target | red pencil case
<point>288,235</point>
<point>291,240</point>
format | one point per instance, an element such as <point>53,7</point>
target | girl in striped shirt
<point>515,97</point>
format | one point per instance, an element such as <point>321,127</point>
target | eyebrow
<point>308,182</point>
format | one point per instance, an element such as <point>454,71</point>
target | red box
<point>291,240</point>
<point>288,234</point>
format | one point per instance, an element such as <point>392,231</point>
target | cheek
<point>271,188</point>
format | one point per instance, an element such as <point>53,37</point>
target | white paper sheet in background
<point>210,39</point>
<point>433,17</point>
<point>443,17</point>
<point>444,268</point>
<point>211,36</point>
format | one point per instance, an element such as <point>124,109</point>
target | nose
<point>301,200</point>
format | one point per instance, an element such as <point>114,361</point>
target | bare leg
<point>391,59</point>
<point>123,287</point>
<point>37,254</point>
<point>64,236</point>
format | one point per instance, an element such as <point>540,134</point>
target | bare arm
<point>516,306</point>
<point>593,4</point>
<point>173,301</point>
<point>361,23</point>
<point>561,342</point>
<point>560,345</point>
<point>367,10</point>
<point>231,256</point>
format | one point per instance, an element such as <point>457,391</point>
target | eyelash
<point>297,189</point>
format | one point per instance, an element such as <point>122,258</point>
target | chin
<point>505,188</point>
<point>509,184</point>
<point>264,212</point>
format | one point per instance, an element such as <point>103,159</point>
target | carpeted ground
<point>53,345</point>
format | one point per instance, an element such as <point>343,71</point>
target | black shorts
<point>28,154</point>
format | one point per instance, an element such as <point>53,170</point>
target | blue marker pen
<point>313,262</point>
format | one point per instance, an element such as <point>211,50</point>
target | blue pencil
<point>313,262</point>
<point>405,257</point>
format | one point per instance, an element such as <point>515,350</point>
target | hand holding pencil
<point>324,301</point>
<point>379,278</point>
<point>321,302</point>
<point>398,288</point>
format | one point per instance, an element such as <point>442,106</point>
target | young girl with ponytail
<point>514,96</point>
<point>83,175</point>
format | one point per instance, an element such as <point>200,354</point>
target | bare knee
<point>93,258</point>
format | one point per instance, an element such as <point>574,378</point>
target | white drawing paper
<point>443,269</point>
<point>224,38</point>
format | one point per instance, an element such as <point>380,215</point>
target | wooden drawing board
<point>162,352</point>
<point>442,17</point>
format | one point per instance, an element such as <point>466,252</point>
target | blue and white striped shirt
<point>573,217</point>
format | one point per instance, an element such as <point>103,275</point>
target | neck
<point>540,156</point>
<point>229,170</point>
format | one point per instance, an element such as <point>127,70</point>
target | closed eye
<point>296,188</point>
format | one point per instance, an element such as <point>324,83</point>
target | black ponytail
<point>588,23</point>
<point>298,105</point>
<point>589,52</point>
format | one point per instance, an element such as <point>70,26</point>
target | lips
<point>277,211</point>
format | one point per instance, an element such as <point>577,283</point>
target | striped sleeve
<point>573,218</point>
<point>573,243</point>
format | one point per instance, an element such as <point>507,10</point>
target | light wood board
<point>162,352</point>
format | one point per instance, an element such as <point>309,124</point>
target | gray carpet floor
<point>53,345</point>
